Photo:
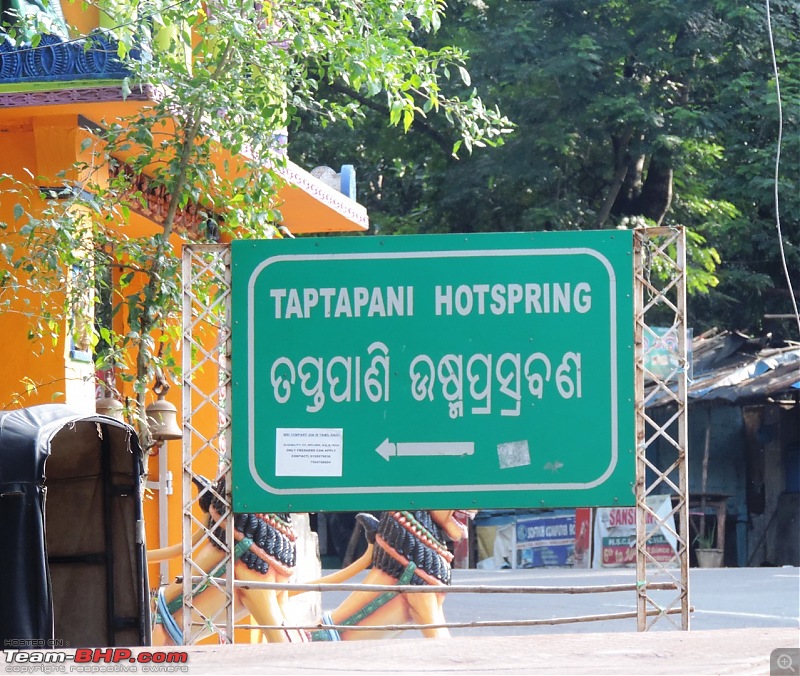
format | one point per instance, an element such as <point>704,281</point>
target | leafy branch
<point>229,78</point>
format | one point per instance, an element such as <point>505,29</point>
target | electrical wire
<point>778,168</point>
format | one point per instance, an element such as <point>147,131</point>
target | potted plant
<point>708,556</point>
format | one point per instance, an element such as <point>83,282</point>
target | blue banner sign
<point>546,540</point>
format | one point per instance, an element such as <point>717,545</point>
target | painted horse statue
<point>410,549</point>
<point>403,548</point>
<point>264,551</point>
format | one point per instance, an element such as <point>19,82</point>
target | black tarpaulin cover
<point>73,558</point>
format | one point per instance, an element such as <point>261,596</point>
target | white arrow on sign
<point>387,449</point>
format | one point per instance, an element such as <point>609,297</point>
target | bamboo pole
<point>443,589</point>
<point>469,625</point>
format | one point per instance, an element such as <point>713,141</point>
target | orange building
<point>52,99</point>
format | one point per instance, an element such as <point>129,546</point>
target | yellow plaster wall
<point>83,18</point>
<point>44,148</point>
<point>204,421</point>
<point>42,142</point>
<point>37,151</point>
<point>83,15</point>
<point>39,361</point>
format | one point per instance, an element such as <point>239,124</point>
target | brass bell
<point>107,403</point>
<point>162,416</point>
<point>109,406</point>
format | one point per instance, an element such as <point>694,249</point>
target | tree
<point>626,113</point>
<point>228,77</point>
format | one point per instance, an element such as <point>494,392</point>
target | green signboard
<point>433,371</point>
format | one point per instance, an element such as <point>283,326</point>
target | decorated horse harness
<point>410,548</point>
<point>263,541</point>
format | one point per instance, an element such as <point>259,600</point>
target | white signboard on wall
<point>615,535</point>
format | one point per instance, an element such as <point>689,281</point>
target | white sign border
<point>482,488</point>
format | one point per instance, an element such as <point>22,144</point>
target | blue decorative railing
<point>55,59</point>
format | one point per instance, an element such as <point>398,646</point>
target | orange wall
<point>40,361</point>
<point>84,16</point>
<point>35,151</point>
<point>47,146</point>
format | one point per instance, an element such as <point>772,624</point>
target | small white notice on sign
<point>308,451</point>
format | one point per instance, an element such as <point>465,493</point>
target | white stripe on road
<point>760,615</point>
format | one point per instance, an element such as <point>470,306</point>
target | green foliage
<point>602,95</point>
<point>228,79</point>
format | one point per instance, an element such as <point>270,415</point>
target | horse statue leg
<point>409,548</point>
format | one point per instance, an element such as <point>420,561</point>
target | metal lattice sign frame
<point>660,296</point>
<point>493,343</point>
<point>660,287</point>
<point>206,358</point>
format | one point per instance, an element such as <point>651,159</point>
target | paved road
<point>744,620</point>
<point>738,652</point>
<point>722,598</point>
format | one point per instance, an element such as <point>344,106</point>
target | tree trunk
<point>621,147</point>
